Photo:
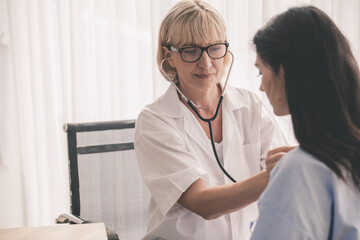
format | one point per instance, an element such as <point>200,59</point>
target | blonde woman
<point>191,197</point>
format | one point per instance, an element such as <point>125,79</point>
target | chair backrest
<point>105,182</point>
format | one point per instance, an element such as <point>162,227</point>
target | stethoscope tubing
<point>209,120</point>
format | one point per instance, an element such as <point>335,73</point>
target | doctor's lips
<point>204,76</point>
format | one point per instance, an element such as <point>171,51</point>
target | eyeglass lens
<point>191,54</point>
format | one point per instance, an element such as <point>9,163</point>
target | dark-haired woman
<point>308,70</point>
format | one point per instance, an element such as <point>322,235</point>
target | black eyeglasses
<point>192,54</point>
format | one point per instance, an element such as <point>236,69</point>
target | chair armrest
<point>69,218</point>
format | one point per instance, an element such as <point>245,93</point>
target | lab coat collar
<point>172,107</point>
<point>170,103</point>
<point>234,100</point>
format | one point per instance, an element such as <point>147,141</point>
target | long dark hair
<point>322,83</point>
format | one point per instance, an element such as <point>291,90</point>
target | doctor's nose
<point>204,61</point>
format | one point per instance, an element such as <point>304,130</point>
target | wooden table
<point>90,231</point>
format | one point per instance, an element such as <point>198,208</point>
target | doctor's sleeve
<point>166,165</point>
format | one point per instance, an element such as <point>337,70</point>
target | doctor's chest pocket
<point>251,155</point>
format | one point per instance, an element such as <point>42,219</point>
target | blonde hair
<point>189,22</point>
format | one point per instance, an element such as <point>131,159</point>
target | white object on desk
<point>90,231</point>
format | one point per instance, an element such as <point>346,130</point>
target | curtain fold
<point>95,60</point>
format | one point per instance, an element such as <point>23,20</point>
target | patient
<point>308,71</point>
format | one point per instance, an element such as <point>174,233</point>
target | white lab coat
<point>173,151</point>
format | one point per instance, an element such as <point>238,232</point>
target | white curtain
<point>94,60</point>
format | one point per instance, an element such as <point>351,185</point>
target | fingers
<point>283,149</point>
<point>272,160</point>
<point>274,156</point>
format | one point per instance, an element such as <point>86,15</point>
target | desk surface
<point>91,231</point>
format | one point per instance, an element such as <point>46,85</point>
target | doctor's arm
<point>213,202</point>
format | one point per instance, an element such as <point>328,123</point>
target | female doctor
<point>191,198</point>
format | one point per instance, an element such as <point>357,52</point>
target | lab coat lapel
<point>229,127</point>
<point>170,104</point>
<point>197,133</point>
<point>233,137</point>
<point>172,107</point>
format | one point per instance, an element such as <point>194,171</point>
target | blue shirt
<point>306,200</point>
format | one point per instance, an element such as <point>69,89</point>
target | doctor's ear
<point>166,52</point>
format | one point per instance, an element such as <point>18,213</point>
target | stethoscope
<point>208,120</point>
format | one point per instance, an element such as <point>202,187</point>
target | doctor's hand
<point>274,156</point>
